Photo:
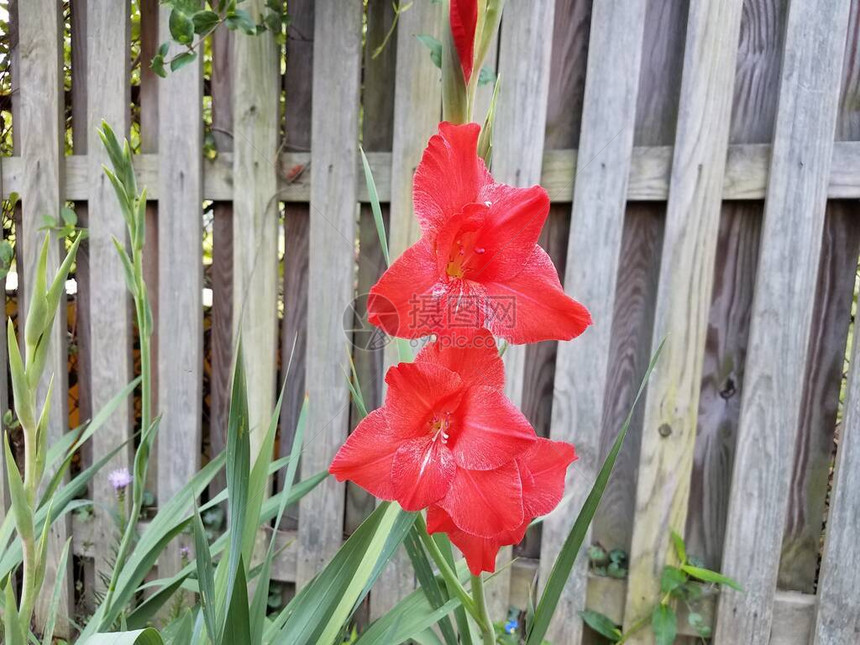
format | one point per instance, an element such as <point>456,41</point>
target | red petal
<point>475,359</point>
<point>422,474</point>
<point>480,552</point>
<point>489,430</point>
<point>534,305</point>
<point>417,392</point>
<point>485,502</point>
<point>464,21</point>
<point>399,302</point>
<point>450,175</point>
<point>511,230</point>
<point>368,455</point>
<point>546,463</point>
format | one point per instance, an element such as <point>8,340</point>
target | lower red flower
<point>542,472</point>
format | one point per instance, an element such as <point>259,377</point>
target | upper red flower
<point>477,263</point>
<point>464,21</point>
<point>447,438</point>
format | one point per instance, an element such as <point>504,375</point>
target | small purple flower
<point>119,479</point>
<point>184,552</point>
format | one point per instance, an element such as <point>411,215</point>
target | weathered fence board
<point>334,145</point>
<point>684,289</point>
<point>782,314</point>
<point>40,111</point>
<point>255,219</point>
<point>597,222</point>
<point>837,615</point>
<point>110,313</point>
<point>180,277</point>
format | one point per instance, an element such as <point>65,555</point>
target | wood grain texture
<point>417,111</point>
<point>180,274</point>
<point>42,148</point>
<point>747,171</point>
<point>753,118</point>
<point>782,314</point>
<point>298,80</point>
<point>518,135</point>
<point>334,145</point>
<point>684,288</point>
<point>221,331</point>
<point>597,222</point>
<point>110,312</point>
<point>832,315</point>
<point>837,615</point>
<point>255,218</point>
<point>377,132</point>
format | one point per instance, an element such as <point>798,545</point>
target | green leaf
<point>435,592</point>
<point>407,618</point>
<point>319,610</point>
<point>181,27</point>
<point>434,46</point>
<point>672,579</point>
<point>54,605</point>
<point>237,627</point>
<point>20,506</point>
<point>205,21</point>
<point>204,575</point>
<point>665,624</point>
<point>148,636</point>
<point>706,575</point>
<point>181,60</point>
<point>238,467</point>
<point>157,66</point>
<point>375,207</point>
<point>70,217</point>
<point>241,20</point>
<point>567,556</point>
<point>486,76</point>
<point>680,547</point>
<point>602,624</point>
<point>12,621</point>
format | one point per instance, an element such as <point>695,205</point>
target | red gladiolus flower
<point>477,263</point>
<point>541,471</point>
<point>445,425</point>
<point>464,21</point>
<point>447,438</point>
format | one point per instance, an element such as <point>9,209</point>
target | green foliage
<point>190,22</point>
<point>678,584</point>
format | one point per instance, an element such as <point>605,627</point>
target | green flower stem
<point>139,479</point>
<point>452,582</point>
<point>488,636</point>
<point>27,534</point>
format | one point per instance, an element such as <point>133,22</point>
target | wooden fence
<point>703,160</point>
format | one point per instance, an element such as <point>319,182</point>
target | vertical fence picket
<point>837,619</point>
<point>221,329</point>
<point>782,314</point>
<point>799,562</point>
<point>684,289</point>
<point>110,320</point>
<point>255,218</point>
<point>597,222</point>
<point>298,80</point>
<point>334,204</point>
<point>518,137</point>
<point>417,110</point>
<point>180,274</point>
<point>377,130</point>
<point>43,150</point>
<point>753,117</point>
